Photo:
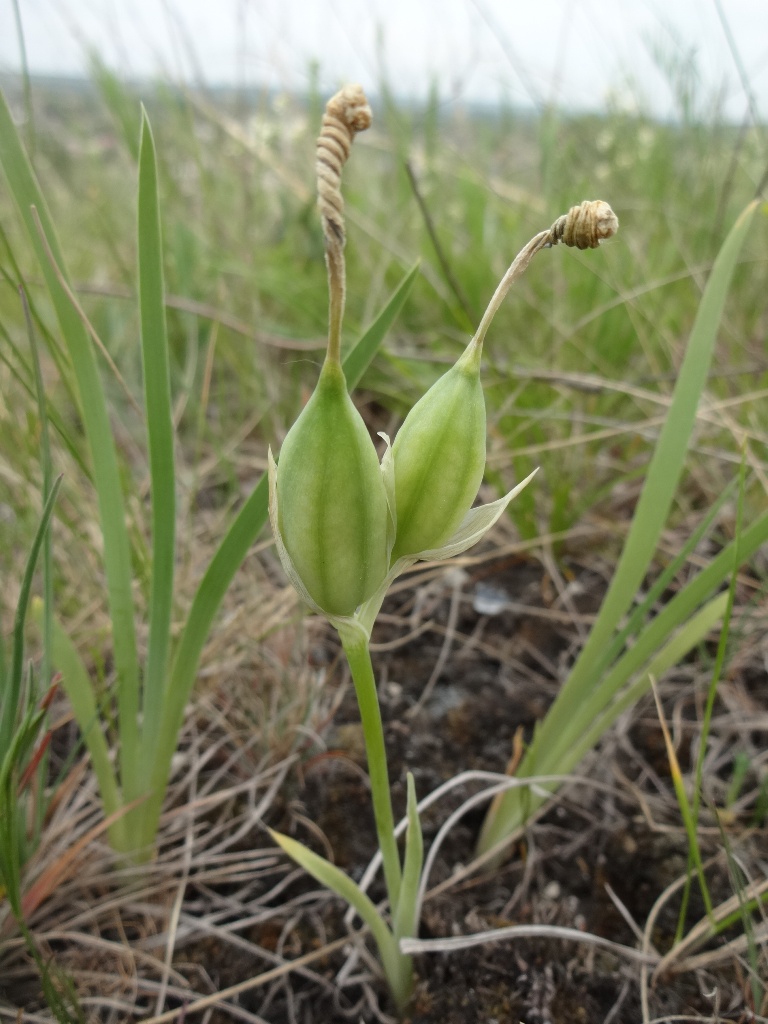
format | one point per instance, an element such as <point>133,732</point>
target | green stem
<point>517,268</point>
<point>358,654</point>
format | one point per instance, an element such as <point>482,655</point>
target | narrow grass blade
<point>160,439</point>
<point>12,694</point>
<point>47,467</point>
<point>77,685</point>
<point>656,651</point>
<point>634,626</point>
<point>686,812</point>
<point>335,880</point>
<point>652,638</point>
<point>118,100</point>
<point>39,806</point>
<point>11,814</point>
<point>405,915</point>
<point>359,359</point>
<point>692,828</point>
<point>16,844</point>
<point>16,279</point>
<point>747,907</point>
<point>722,646</point>
<point>92,407</point>
<point>12,357</point>
<point>566,758</point>
<point>29,108</point>
<point>20,717</point>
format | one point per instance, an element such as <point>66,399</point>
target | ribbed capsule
<point>332,506</point>
<point>439,458</point>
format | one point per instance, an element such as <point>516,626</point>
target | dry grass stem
<point>543,931</point>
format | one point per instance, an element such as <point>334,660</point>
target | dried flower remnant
<point>585,226</point>
<point>346,114</point>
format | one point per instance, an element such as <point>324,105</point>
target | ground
<point>231,908</point>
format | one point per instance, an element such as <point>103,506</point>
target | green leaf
<point>405,914</point>
<point>361,356</point>
<point>78,687</point>
<point>335,880</point>
<point>160,438</point>
<point>677,646</point>
<point>11,694</point>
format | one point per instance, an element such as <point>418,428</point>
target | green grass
<point>594,694</point>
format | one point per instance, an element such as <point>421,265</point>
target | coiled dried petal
<point>585,226</point>
<point>346,114</point>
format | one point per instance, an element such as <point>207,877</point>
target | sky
<point>578,53</point>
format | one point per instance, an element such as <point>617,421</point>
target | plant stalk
<point>359,658</point>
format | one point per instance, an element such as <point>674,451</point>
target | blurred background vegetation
<point>580,359</point>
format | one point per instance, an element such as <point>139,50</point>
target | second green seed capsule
<point>439,458</point>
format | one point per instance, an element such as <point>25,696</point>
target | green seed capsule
<point>439,458</point>
<point>332,506</point>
